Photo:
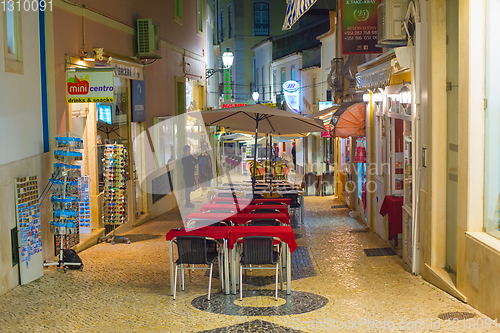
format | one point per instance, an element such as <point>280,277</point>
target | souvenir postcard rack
<point>115,165</point>
<point>29,229</point>
<point>65,197</point>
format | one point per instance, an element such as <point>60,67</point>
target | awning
<point>349,121</point>
<point>326,114</point>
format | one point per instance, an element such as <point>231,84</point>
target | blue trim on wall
<point>43,75</point>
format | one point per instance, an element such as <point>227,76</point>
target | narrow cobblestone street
<point>125,288</point>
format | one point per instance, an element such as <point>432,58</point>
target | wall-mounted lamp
<point>227,61</point>
<point>87,56</point>
<point>255,96</point>
<point>405,97</point>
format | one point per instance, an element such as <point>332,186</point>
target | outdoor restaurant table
<point>284,233</point>
<point>244,208</point>
<point>244,201</point>
<point>219,233</point>
<point>393,206</point>
<point>238,218</point>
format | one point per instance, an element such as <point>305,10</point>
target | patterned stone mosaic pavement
<point>125,288</point>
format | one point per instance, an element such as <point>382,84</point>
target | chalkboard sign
<point>161,186</point>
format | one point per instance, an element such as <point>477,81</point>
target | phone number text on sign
<point>26,5</point>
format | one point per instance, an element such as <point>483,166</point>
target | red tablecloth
<point>285,234</point>
<point>244,201</point>
<point>244,209</point>
<point>209,231</point>
<point>393,206</point>
<point>237,218</point>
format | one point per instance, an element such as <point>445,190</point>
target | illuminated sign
<point>89,86</point>
<point>233,105</point>
<point>291,92</point>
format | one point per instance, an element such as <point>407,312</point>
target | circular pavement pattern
<point>296,303</point>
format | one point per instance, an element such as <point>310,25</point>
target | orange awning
<point>350,122</point>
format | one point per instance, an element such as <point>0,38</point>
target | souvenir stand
<point>65,195</point>
<point>29,240</point>
<point>115,190</point>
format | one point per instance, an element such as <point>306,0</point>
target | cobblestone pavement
<point>125,288</point>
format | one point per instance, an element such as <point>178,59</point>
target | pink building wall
<point>160,77</point>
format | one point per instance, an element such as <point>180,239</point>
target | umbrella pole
<point>255,157</point>
<point>270,165</point>
<point>267,149</point>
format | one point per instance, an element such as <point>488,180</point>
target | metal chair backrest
<point>269,203</point>
<point>328,178</point>
<point>310,179</point>
<point>294,203</point>
<point>264,211</point>
<point>258,250</point>
<point>262,222</point>
<point>194,249</point>
<point>222,211</point>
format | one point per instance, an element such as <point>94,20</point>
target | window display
<point>408,165</point>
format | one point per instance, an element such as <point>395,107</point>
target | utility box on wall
<point>391,14</point>
<point>148,39</point>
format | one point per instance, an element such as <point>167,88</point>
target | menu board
<point>359,26</point>
<point>29,229</point>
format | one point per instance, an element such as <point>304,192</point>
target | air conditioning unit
<point>148,39</point>
<point>391,14</point>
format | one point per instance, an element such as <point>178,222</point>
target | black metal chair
<point>258,250</point>
<point>294,201</point>
<point>264,211</point>
<point>263,222</point>
<point>225,195</point>
<point>195,250</point>
<point>310,181</point>
<point>328,181</point>
<point>263,203</point>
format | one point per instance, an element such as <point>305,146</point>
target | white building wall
<point>263,57</point>
<point>212,86</point>
<point>21,143</point>
<point>327,54</point>
<point>20,110</point>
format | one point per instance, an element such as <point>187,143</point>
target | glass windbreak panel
<point>112,123</point>
<point>492,119</point>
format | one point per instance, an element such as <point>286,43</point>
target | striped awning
<point>295,9</point>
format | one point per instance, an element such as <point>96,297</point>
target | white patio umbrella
<point>263,119</point>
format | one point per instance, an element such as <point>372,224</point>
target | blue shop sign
<point>138,93</point>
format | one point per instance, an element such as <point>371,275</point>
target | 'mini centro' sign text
<point>90,87</point>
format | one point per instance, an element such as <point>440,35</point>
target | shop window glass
<point>261,19</point>
<point>12,38</point>
<point>492,118</point>
<point>11,32</point>
<point>113,129</point>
